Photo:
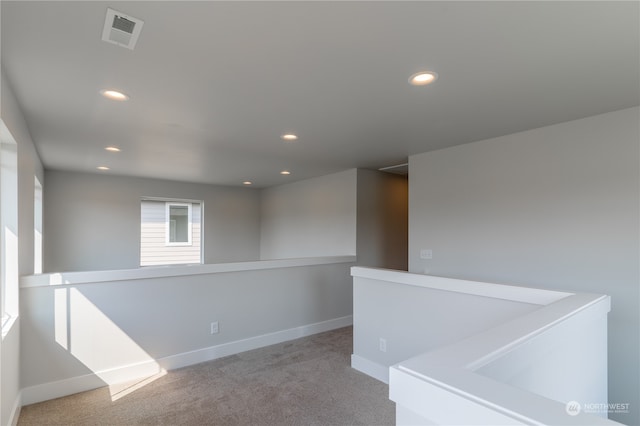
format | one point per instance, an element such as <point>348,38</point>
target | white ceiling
<point>214,84</point>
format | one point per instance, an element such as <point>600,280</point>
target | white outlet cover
<point>383,345</point>
<point>426,254</point>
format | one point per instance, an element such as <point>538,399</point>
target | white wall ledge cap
<point>488,346</point>
<point>461,387</point>
<point>496,291</point>
<point>150,272</point>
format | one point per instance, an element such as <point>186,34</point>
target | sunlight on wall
<point>61,325</point>
<point>96,341</point>
<point>8,229</point>
<point>11,272</point>
<point>37,261</point>
<point>37,227</point>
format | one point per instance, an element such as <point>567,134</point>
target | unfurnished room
<point>320,212</point>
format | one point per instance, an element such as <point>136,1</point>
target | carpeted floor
<point>307,381</point>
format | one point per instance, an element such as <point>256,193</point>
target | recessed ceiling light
<point>112,149</point>
<point>114,95</point>
<point>423,78</point>
<point>247,182</point>
<point>289,137</point>
<point>102,168</point>
<point>285,172</point>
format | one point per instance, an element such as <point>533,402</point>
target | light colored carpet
<point>307,381</point>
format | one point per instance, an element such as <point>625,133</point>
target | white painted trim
<point>90,277</point>
<point>60,388</point>
<point>496,291</point>
<point>15,410</point>
<point>370,368</point>
<point>167,224</point>
<point>51,390</point>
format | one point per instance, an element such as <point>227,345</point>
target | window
<point>178,224</point>
<point>37,227</point>
<point>170,232</point>
<point>8,227</point>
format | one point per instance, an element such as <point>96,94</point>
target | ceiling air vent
<point>121,29</point>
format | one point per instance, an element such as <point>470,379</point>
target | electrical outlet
<point>426,254</point>
<point>214,327</point>
<point>383,345</point>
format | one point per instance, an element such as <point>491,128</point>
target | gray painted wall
<point>92,222</point>
<point>382,220</point>
<point>313,217</point>
<point>29,166</point>
<point>96,218</point>
<point>555,207</point>
<point>118,324</point>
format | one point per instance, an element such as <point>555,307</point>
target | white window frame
<point>37,226</point>
<point>167,217</point>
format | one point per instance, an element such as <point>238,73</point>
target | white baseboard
<point>231,348</point>
<point>51,390</point>
<point>15,410</point>
<point>60,388</point>
<point>370,368</point>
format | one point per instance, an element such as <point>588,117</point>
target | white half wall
<point>313,217</point>
<point>412,319</point>
<point>88,334</point>
<point>489,354</point>
<point>554,208</point>
<point>92,222</point>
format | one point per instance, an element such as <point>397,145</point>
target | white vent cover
<point>121,29</point>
